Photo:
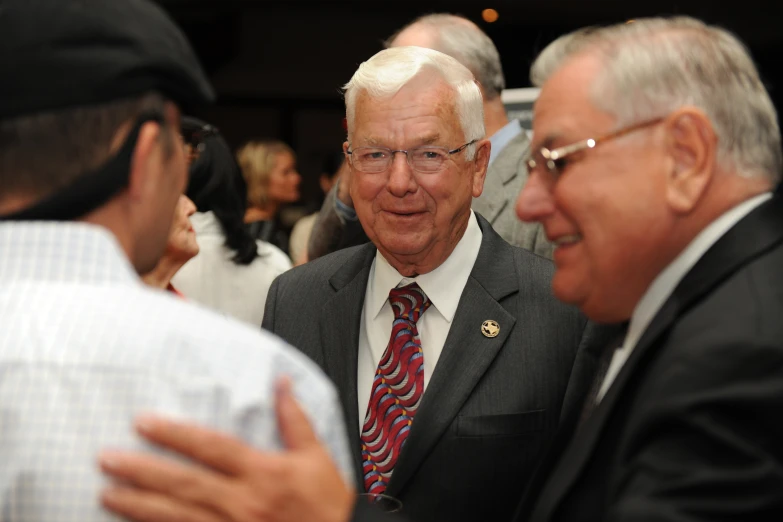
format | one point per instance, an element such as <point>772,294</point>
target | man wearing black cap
<point>91,167</point>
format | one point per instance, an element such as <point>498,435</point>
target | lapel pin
<point>490,328</point>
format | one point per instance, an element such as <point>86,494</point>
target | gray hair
<point>657,65</point>
<point>462,39</point>
<point>390,70</point>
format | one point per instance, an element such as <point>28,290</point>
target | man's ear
<point>481,162</point>
<point>143,179</point>
<point>691,144</point>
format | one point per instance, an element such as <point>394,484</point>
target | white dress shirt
<point>443,286</point>
<point>501,138</point>
<point>85,346</point>
<point>214,280</point>
<point>663,285</point>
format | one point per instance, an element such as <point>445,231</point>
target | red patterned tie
<point>396,390</point>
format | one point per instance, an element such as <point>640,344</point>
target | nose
<point>401,179</point>
<point>190,207</point>
<point>535,200</point>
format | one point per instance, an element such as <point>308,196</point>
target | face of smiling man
<point>415,219</point>
<point>620,212</point>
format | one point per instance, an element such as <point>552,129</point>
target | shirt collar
<point>443,286</point>
<point>663,285</point>
<point>502,137</point>
<point>61,252</point>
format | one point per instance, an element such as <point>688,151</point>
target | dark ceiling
<point>278,66</point>
<point>523,27</point>
<point>755,18</point>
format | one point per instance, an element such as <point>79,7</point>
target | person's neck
<point>253,214</point>
<point>160,276</point>
<point>495,117</point>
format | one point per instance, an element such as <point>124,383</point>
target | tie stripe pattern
<point>396,390</point>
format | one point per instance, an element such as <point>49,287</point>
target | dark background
<point>278,65</point>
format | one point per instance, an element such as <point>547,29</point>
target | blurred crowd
<point>478,323</point>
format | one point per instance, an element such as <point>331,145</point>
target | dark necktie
<point>396,390</point>
<point>604,360</point>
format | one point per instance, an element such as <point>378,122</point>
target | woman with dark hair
<point>233,271</point>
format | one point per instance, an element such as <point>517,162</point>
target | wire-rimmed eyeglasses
<point>374,160</point>
<point>552,162</point>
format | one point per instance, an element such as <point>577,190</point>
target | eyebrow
<point>373,142</point>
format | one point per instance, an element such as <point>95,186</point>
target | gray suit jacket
<point>505,179</point>
<point>506,176</point>
<point>492,404</point>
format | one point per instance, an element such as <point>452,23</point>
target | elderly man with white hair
<point>454,362</point>
<point>337,225</point>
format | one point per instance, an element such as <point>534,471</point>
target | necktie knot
<point>408,302</point>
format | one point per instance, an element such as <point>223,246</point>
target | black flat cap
<point>56,54</point>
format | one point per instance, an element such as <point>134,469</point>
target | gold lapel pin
<point>490,328</point>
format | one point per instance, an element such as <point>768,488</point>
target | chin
<point>401,248</point>
<point>600,313</point>
<point>566,289</point>
<point>597,307</point>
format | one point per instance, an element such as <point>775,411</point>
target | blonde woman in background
<point>269,169</point>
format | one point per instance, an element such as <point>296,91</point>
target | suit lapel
<point>340,324</point>
<point>466,354</point>
<point>495,198</point>
<point>753,236</point>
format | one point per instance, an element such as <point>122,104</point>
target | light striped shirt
<point>84,347</point>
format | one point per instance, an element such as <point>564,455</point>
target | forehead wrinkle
<point>422,140</point>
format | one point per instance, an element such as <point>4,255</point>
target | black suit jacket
<point>692,428</point>
<point>492,405</point>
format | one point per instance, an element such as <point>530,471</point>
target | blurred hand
<point>241,484</point>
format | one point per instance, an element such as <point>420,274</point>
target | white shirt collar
<point>501,138</point>
<point>663,285</point>
<point>443,286</point>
